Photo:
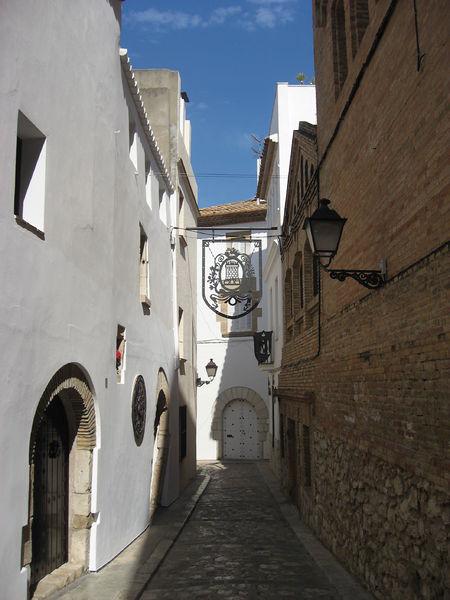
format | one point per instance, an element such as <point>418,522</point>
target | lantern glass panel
<point>211,369</point>
<point>326,236</point>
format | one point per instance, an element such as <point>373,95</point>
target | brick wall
<point>370,373</point>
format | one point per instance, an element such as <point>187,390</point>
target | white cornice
<point>137,99</point>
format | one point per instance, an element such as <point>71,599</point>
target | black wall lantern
<point>211,370</point>
<point>324,230</point>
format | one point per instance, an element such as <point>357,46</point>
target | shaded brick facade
<point>365,383</point>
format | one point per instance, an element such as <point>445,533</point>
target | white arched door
<point>240,431</point>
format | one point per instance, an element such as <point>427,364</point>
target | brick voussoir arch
<point>70,377</point>
<point>241,393</point>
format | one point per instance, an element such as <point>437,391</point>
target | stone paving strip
<point>245,540</point>
<point>125,577</point>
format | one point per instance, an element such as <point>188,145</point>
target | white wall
<point>292,104</point>
<point>62,297</point>
<point>234,357</point>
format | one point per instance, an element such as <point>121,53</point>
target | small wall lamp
<point>324,229</point>
<point>211,370</point>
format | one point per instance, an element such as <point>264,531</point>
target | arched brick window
<point>302,176</point>
<point>288,296</point>
<point>339,45</point>
<point>359,19</point>
<point>321,12</point>
<point>297,286</point>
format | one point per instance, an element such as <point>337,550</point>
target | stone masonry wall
<point>380,426</point>
<point>387,524</point>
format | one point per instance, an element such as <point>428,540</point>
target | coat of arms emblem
<point>232,276</point>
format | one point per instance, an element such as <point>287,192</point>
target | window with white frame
<point>29,192</point>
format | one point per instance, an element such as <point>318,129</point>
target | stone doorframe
<point>239,393</point>
<point>74,390</point>
<point>161,441</point>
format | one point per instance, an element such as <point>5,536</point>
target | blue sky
<point>230,55</point>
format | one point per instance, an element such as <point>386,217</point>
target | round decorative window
<point>139,409</point>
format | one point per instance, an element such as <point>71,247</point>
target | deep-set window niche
<point>29,192</point>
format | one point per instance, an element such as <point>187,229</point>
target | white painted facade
<point>63,297</point>
<point>238,376</point>
<point>292,104</point>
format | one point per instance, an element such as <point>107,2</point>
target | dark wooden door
<point>50,494</point>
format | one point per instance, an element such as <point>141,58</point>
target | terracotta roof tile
<point>234,212</point>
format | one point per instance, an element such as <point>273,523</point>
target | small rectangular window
<point>29,192</point>
<point>120,354</point>
<point>183,431</point>
<point>144,284</point>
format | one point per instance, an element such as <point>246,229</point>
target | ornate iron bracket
<point>369,279</point>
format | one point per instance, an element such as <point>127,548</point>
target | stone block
<point>82,475</point>
<point>81,504</point>
<point>79,546</point>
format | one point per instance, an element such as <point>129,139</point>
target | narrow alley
<point>238,544</point>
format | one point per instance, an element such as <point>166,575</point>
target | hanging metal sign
<point>232,276</point>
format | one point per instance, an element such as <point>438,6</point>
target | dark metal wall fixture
<point>230,279</point>
<point>139,409</point>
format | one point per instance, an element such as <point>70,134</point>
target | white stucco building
<point>292,104</point>
<point>232,410</point>
<point>88,301</point>
<point>166,104</point>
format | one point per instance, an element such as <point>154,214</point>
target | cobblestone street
<point>237,544</point>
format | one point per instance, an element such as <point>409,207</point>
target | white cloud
<point>220,15</point>
<point>165,19</point>
<point>265,14</point>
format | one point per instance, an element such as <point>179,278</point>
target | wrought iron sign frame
<point>231,288</point>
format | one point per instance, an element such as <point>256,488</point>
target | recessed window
<point>162,204</point>
<point>132,143</point>
<point>183,431</point>
<point>181,333</point>
<point>241,325</point>
<point>148,182</point>
<point>144,283</point>
<point>120,354</point>
<point>29,192</point>
<point>183,245</point>
<point>359,20</point>
<point>339,36</point>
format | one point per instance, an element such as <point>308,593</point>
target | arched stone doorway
<point>63,436</point>
<point>250,401</point>
<point>161,441</point>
